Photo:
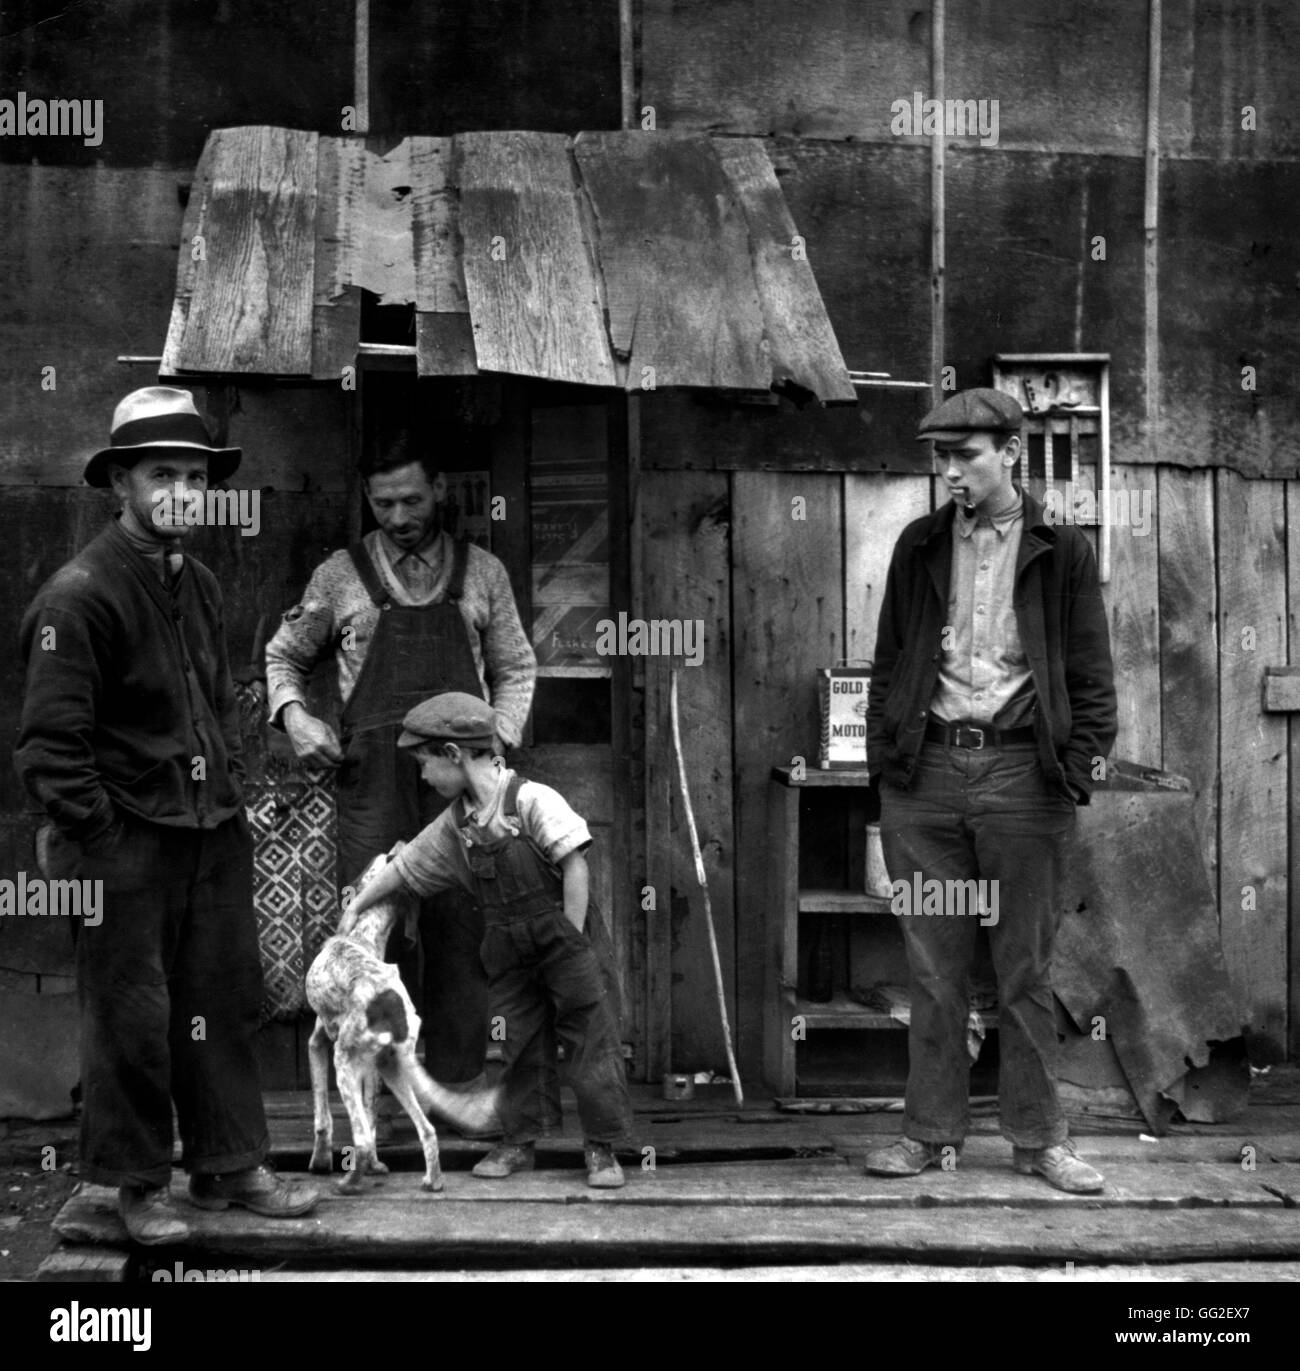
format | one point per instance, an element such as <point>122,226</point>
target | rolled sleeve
<point>551,822</point>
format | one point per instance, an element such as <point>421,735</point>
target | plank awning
<point>633,259</point>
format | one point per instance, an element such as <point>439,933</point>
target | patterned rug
<point>294,893</point>
<point>292,812</point>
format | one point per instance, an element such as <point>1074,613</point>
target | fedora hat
<point>159,417</point>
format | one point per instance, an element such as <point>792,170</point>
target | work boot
<point>905,1157</point>
<point>257,1188</point>
<point>147,1213</point>
<point>603,1170</point>
<point>1058,1165</point>
<point>505,1160</point>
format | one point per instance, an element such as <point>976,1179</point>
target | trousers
<point>169,985</point>
<point>989,815</point>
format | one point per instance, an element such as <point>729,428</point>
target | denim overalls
<point>546,985</point>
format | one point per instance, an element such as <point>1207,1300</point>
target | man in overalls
<point>408,612</point>
<point>521,849</point>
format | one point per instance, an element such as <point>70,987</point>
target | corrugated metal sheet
<point>633,259</point>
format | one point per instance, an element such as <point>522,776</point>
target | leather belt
<point>976,736</point>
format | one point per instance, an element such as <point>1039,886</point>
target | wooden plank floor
<point>710,1188</point>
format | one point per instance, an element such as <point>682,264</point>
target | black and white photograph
<point>650,642</point>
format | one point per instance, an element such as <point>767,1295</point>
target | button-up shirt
<point>984,674</point>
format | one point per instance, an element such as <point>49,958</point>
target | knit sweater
<point>129,701</point>
<point>336,601</point>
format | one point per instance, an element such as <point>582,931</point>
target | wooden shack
<point>713,222</point>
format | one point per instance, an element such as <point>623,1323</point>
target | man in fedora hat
<point>129,741</point>
<point>992,700</point>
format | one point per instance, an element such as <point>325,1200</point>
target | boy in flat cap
<point>519,848</point>
<point>129,741</point>
<point>992,696</point>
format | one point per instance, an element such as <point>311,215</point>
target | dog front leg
<point>322,1152</point>
<point>350,1078</point>
<point>370,1093</point>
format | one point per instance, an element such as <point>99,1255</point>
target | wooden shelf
<point>843,1012</point>
<point>829,901</point>
<point>843,776</point>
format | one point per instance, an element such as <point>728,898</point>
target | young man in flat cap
<point>406,613</point>
<point>992,698</point>
<point>130,743</point>
<point>519,850</point>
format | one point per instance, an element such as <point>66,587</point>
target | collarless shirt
<point>984,674</point>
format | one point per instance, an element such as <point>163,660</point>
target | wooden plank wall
<point>1211,564</point>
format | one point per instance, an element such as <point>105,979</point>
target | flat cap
<point>452,717</point>
<point>971,411</point>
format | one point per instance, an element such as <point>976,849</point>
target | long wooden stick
<point>708,905</point>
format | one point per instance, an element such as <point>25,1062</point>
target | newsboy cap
<point>159,417</point>
<point>452,717</point>
<point>971,411</point>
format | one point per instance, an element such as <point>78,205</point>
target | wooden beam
<point>530,276</point>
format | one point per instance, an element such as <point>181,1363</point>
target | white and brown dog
<point>363,1008</point>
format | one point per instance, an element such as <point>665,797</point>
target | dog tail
<point>473,1111</point>
<point>387,1014</point>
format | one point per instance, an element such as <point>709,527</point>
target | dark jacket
<point>1062,625</point>
<point>127,684</point>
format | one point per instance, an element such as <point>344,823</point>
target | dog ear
<point>387,1012</point>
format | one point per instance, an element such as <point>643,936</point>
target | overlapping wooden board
<point>443,336</point>
<point>877,509</point>
<point>789,612</point>
<point>1251,564</point>
<point>336,301</point>
<point>801,346</point>
<point>1132,602</point>
<point>687,576</point>
<point>674,250</point>
<point>530,278</point>
<point>1189,655</point>
<point>251,294</point>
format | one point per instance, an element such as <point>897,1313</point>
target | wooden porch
<point>744,1194</point>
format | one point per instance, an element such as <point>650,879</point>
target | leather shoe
<point>505,1160</point>
<point>258,1188</point>
<point>147,1213</point>
<point>1060,1166</point>
<point>603,1170</point>
<point>905,1157</point>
